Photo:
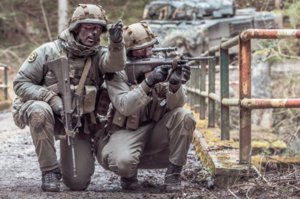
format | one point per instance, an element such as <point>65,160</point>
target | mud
<point>20,176</point>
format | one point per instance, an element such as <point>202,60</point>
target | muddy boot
<point>130,183</point>
<point>57,173</point>
<point>50,181</point>
<point>172,178</point>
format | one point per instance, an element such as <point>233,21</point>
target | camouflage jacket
<point>34,76</point>
<point>132,107</point>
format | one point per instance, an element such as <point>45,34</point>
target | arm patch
<point>32,57</point>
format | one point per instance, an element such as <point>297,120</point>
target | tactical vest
<point>153,112</point>
<point>91,90</point>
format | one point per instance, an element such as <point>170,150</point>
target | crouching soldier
<point>40,107</point>
<point>148,128</point>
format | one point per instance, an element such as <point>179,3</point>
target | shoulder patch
<point>32,57</point>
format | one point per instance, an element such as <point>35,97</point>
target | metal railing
<point>197,86</point>
<point>4,67</point>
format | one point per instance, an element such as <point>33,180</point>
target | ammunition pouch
<point>88,98</point>
<point>119,119</point>
<point>133,121</point>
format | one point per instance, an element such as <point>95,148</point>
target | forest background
<point>22,25</point>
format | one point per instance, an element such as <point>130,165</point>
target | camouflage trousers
<point>43,127</point>
<point>152,146</point>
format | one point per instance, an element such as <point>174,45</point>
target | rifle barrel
<point>198,58</point>
<point>155,50</point>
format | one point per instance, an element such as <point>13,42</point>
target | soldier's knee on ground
<point>37,116</point>
<point>77,184</point>
<point>127,165</point>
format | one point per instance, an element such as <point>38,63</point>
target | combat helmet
<point>138,36</point>
<point>87,13</point>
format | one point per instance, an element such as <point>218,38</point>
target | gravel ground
<point>20,176</point>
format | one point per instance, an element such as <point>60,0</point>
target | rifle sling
<point>83,76</point>
<point>82,81</point>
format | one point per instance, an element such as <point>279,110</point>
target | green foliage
<point>278,51</point>
<point>261,5</point>
<point>285,190</point>
<point>266,152</point>
<point>291,13</point>
<point>291,151</point>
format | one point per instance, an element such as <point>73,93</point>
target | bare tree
<point>62,15</point>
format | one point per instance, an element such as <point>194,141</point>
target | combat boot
<point>50,180</point>
<point>172,178</point>
<point>130,183</point>
<point>57,173</point>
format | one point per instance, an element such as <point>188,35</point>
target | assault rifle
<point>60,68</point>
<point>137,68</point>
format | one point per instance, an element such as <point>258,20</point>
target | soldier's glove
<point>180,75</point>
<point>56,104</point>
<point>176,76</point>
<point>159,74</point>
<point>115,32</point>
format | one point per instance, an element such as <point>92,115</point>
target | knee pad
<point>77,184</point>
<point>37,116</point>
<point>189,122</point>
<point>127,166</point>
<point>187,117</point>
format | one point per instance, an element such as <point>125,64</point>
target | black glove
<point>115,32</point>
<point>159,74</point>
<point>177,76</point>
<point>56,104</point>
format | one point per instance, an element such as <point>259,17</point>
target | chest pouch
<point>119,119</point>
<point>133,120</point>
<point>87,99</point>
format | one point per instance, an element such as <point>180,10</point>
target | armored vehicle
<point>196,25</point>
<point>191,10</point>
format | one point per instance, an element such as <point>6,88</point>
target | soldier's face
<point>142,53</point>
<point>89,34</point>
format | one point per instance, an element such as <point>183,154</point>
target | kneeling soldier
<point>39,107</point>
<point>148,128</point>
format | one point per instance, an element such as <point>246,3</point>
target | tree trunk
<point>62,15</point>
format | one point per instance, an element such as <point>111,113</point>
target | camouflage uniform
<point>146,131</point>
<point>154,143</point>
<point>31,107</point>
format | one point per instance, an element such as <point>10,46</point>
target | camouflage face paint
<point>89,34</point>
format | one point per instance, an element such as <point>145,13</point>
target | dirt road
<point>20,176</point>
